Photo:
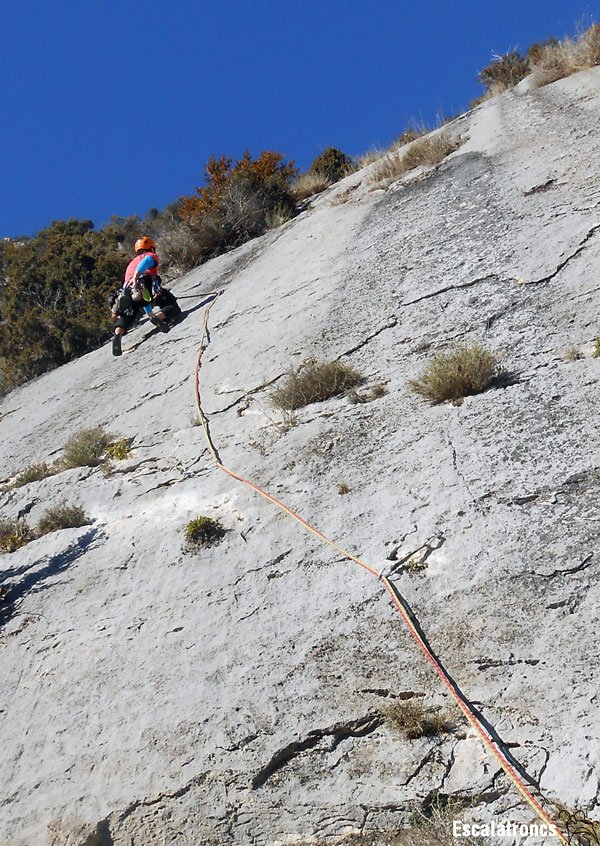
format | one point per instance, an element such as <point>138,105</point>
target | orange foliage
<point>219,173</point>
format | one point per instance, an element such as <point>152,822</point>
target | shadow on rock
<point>505,380</point>
<point>17,582</point>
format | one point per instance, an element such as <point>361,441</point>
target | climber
<point>142,275</point>
<point>141,282</point>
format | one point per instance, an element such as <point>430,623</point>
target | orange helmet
<point>144,243</point>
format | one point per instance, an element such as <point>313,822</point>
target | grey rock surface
<point>238,695</point>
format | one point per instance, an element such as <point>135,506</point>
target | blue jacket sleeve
<point>146,263</point>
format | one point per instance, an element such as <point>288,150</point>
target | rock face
<point>238,695</point>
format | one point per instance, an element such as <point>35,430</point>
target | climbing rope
<point>492,744</point>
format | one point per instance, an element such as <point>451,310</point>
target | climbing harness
<point>485,732</point>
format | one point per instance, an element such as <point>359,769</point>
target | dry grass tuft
<point>61,516</point>
<point>456,374</point>
<point>343,489</point>
<point>413,721</point>
<point>428,150</point>
<point>315,381</point>
<point>556,60</point>
<point>308,184</point>
<point>413,131</point>
<point>371,156</point>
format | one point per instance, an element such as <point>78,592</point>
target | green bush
<point>119,450</point>
<point>86,448</point>
<point>504,72</point>
<point>457,374</point>
<point>61,517</point>
<point>203,531</point>
<point>332,164</point>
<point>13,534</point>
<point>54,289</point>
<point>33,473</point>
<point>315,381</point>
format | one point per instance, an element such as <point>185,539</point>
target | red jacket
<point>135,262</point>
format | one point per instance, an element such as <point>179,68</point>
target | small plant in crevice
<point>14,534</point>
<point>119,450</point>
<point>344,196</point>
<point>572,354</point>
<point>459,373</point>
<point>33,473</point>
<point>374,392</point>
<point>433,822</point>
<point>578,828</point>
<point>86,448</point>
<point>61,516</point>
<point>315,381</point>
<point>411,719</point>
<point>596,350</point>
<point>203,531</point>
<point>343,489</point>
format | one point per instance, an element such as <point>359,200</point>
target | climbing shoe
<point>156,321</point>
<point>116,345</point>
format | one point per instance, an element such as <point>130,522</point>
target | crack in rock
<point>587,561</point>
<point>449,764</point>
<point>391,325</point>
<point>489,278</point>
<point>249,393</point>
<point>272,563</point>
<point>339,732</point>
<point>418,556</point>
<point>570,258</point>
<point>162,797</point>
<point>487,663</point>
<point>429,757</point>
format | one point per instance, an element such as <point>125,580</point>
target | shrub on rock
<point>86,448</point>
<point>332,164</point>
<point>61,516</point>
<point>203,531</point>
<point>456,374</point>
<point>315,381</point>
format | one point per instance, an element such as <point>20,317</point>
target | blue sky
<point>113,107</point>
